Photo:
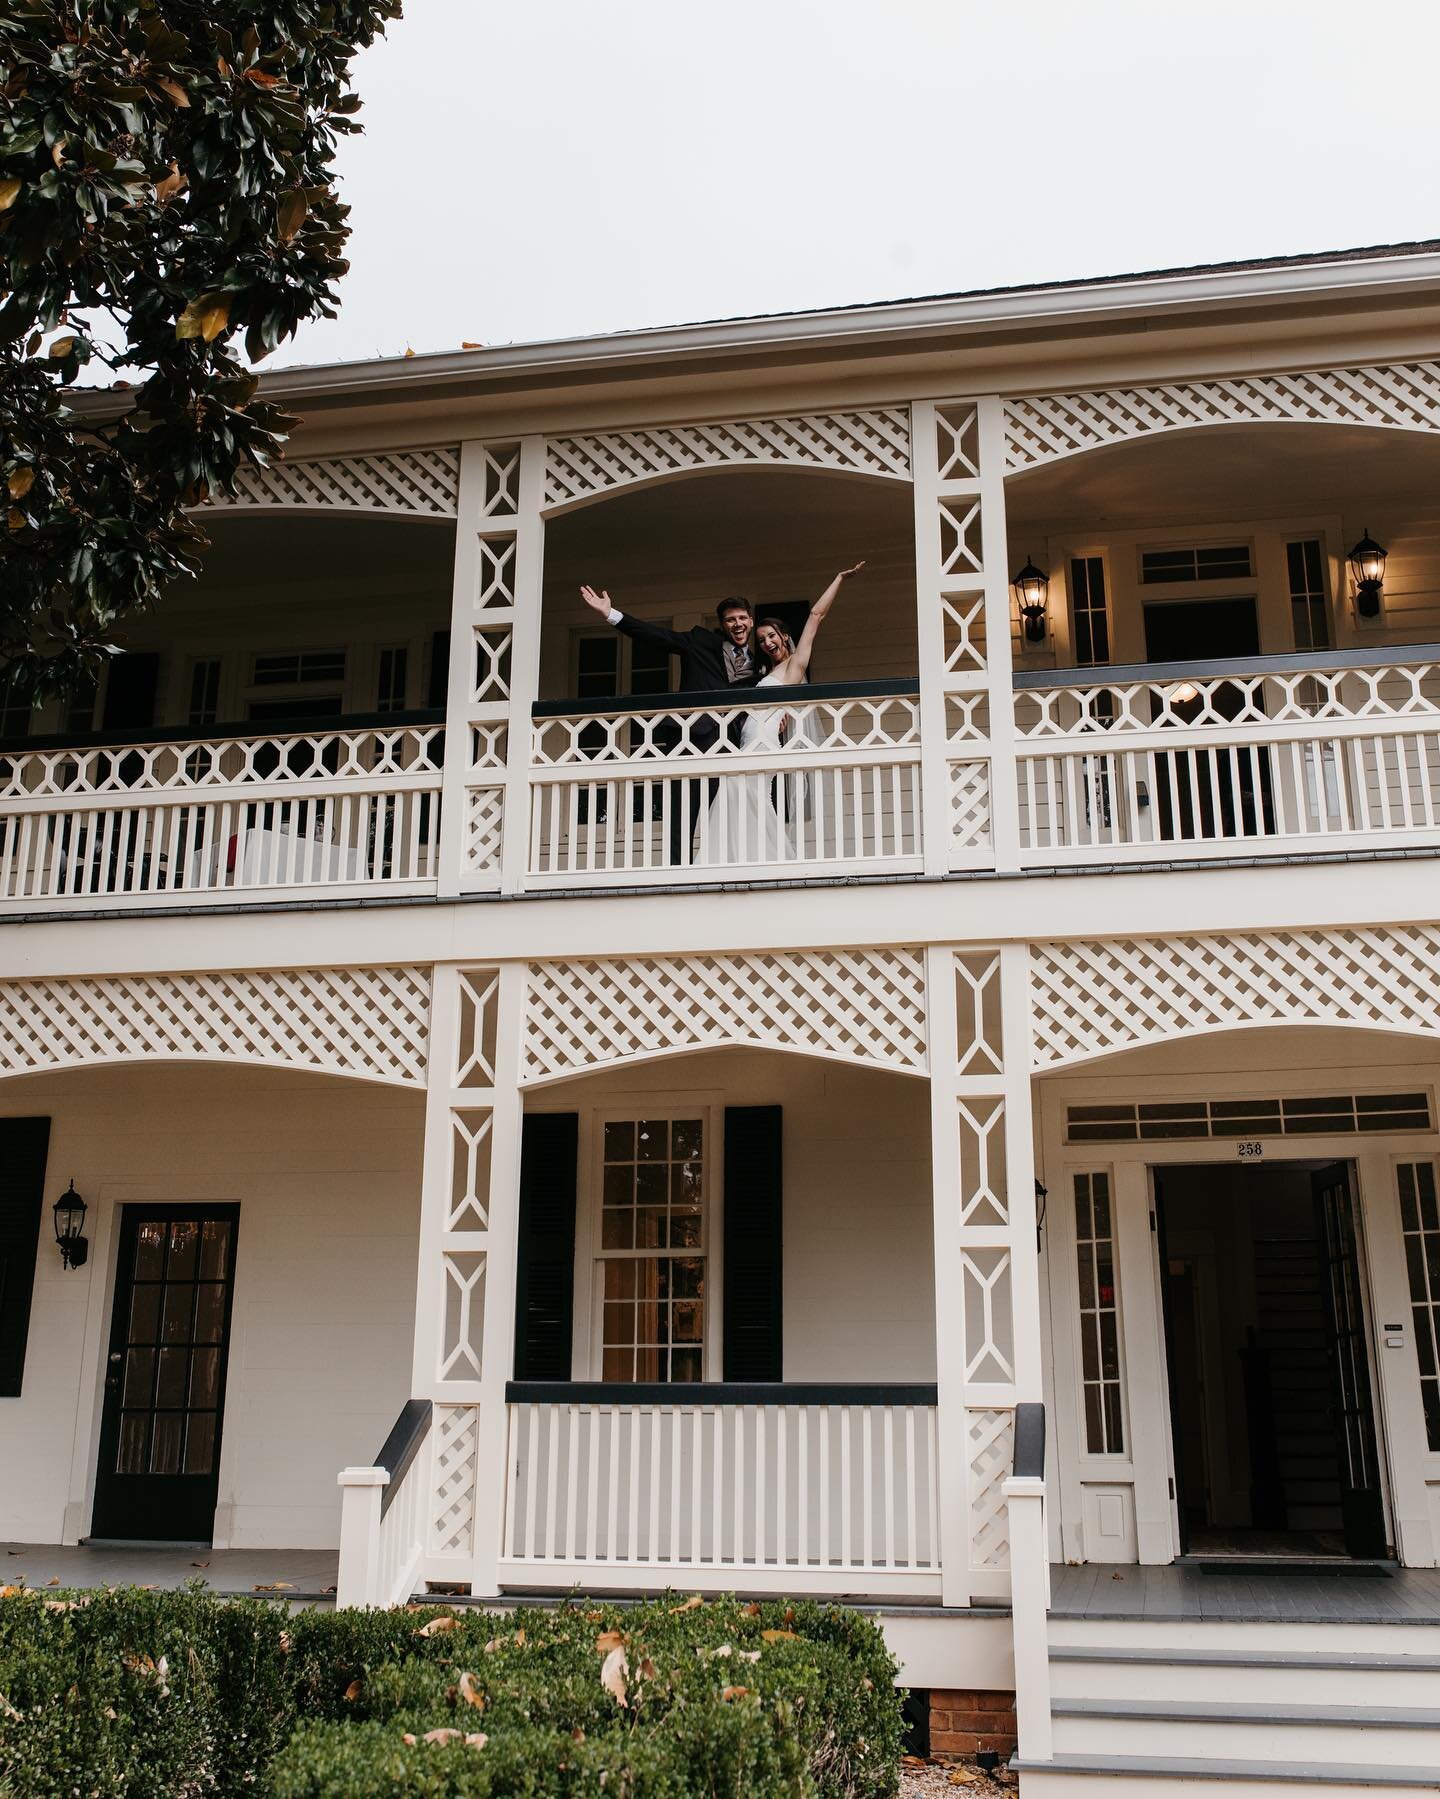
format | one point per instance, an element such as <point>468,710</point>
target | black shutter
<point>23,1144</point>
<point>130,687</point>
<point>754,1243</point>
<point>545,1276</point>
<point>439,671</point>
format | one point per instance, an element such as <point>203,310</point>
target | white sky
<point>544,170</point>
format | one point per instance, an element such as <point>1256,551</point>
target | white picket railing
<point>1261,754</point>
<point>633,792</point>
<point>385,1515</point>
<point>790,1489</point>
<point>177,818</point>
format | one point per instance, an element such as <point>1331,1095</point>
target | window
<point>296,668</point>
<point>306,674</point>
<point>204,691</point>
<point>1203,562</point>
<point>394,676</point>
<point>1099,1316</point>
<point>607,664</point>
<point>1420,1222</point>
<point>1089,618</point>
<point>80,711</point>
<point>14,712</point>
<point>1157,1120</point>
<point>651,1264</point>
<point>1306,566</point>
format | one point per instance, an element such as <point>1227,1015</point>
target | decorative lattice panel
<point>455,1433</point>
<point>1094,998</point>
<point>372,1023</point>
<point>1047,427</point>
<point>423,482</point>
<point>863,1006</point>
<point>990,1447</point>
<point>873,442</point>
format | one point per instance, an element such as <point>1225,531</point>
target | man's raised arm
<point>674,641</point>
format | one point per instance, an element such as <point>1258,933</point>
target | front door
<point>165,1375</point>
<point>1352,1409</point>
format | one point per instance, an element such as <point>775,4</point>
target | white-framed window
<point>1089,611</point>
<point>392,678</point>
<point>1099,1297</point>
<point>647,1239</point>
<point>1196,562</point>
<point>1420,1227</point>
<point>1305,569</point>
<point>204,697</point>
<point>287,684</point>
<point>608,662</point>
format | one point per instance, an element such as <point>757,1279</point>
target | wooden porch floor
<point>306,1573</point>
<point>1363,1593</point>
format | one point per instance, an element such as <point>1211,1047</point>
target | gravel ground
<point>927,1780</point>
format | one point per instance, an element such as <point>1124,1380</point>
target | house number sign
<point>1250,1149</point>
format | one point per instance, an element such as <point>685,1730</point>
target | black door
<point>165,1376</point>
<point>1207,794</point>
<point>1352,1413</point>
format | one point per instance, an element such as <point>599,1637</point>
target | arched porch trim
<point>406,484</point>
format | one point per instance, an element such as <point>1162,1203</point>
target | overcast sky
<point>532,171</point>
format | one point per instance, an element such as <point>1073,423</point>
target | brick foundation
<point>964,1723</point>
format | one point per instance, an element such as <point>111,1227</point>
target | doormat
<point>1248,1570</point>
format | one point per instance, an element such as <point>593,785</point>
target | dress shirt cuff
<point>613,616</point>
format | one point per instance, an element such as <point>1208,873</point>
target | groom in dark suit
<point>709,659</point>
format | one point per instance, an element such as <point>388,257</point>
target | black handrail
<point>1029,1460</point>
<point>741,698</point>
<point>1296,661</point>
<point>250,727</point>
<point>601,1392</point>
<point>401,1447</point>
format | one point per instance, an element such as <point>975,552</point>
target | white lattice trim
<point>410,482</point>
<point>1095,998</point>
<point>372,1023</point>
<point>456,1443</point>
<point>1046,427</point>
<point>859,1005</point>
<point>873,442</point>
<point>990,1438</point>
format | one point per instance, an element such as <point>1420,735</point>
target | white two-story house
<point>1002,1191</point>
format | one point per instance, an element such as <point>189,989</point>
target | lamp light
<point>69,1228</point>
<point>1032,587</point>
<point>1367,565</point>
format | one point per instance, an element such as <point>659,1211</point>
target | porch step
<point>1354,1631</point>
<point>1240,1676</point>
<point>1160,1777</point>
<point>1349,1737</point>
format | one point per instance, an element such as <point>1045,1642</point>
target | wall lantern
<point>1031,586</point>
<point>69,1228</point>
<point>1367,564</point>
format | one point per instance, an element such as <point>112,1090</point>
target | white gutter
<point>902,322</point>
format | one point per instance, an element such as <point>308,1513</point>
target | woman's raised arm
<point>800,658</point>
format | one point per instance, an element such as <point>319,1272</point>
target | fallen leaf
<point>608,1640</point>
<point>750,1611</point>
<point>199,1564</point>
<point>9,192</point>
<point>590,1617</point>
<point>776,1636</point>
<point>8,1711</point>
<point>963,1777</point>
<point>749,1655</point>
<point>494,1644</point>
<point>446,1734</point>
<point>62,1605</point>
<point>469,1694</point>
<point>14,1552</point>
<point>689,1605</point>
<point>576,1736</point>
<point>409,1737</point>
<point>519,1638</point>
<point>10,1592</point>
<point>352,1692</point>
<point>475,1739</point>
<point>276,1586</point>
<point>465,343</point>
<point>54,1581</point>
<point>327,1589</point>
<point>734,1692</point>
<point>437,1626</point>
<point>648,1670</point>
<point>286,1643</point>
<point>613,1672</point>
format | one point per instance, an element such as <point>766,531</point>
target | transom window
<point>1197,562</point>
<point>295,668</point>
<point>651,1265</point>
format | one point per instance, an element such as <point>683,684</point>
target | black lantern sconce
<point>70,1228</point>
<point>1367,565</point>
<point>1032,587</point>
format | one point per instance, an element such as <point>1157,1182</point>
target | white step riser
<point>1161,1634</point>
<point>1233,1682</point>
<point>1162,1786</point>
<point>1348,1745</point>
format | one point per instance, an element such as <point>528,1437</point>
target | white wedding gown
<point>741,824</point>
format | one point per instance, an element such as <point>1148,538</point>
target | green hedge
<point>136,1693</point>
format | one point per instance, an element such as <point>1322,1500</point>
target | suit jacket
<point>702,665</point>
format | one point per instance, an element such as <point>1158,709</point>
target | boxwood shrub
<point>135,1693</point>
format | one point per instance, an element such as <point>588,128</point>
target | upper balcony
<point>419,710</point>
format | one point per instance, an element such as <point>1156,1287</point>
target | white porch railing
<point>640,791</point>
<point>761,1489</point>
<point>1327,750</point>
<point>177,817</point>
<point>385,1516</point>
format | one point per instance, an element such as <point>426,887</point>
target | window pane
<point>150,1251</point>
<point>209,1313</point>
<point>205,1377</point>
<point>1422,1266</point>
<point>139,1376</point>
<point>165,1444</point>
<point>619,1141</point>
<point>1099,1316</point>
<point>200,1443</point>
<point>652,1188</point>
<point>145,1314</point>
<point>184,1246</point>
<point>130,1457</point>
<point>214,1249</point>
<point>176,1325</point>
<point>170,1389</point>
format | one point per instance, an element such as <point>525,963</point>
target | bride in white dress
<point>742,824</point>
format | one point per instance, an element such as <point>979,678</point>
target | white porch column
<point>988,1314</point>
<point>465,1298</point>
<point>494,666</point>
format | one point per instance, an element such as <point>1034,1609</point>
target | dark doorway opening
<point>159,1463</point>
<point>1272,1414</point>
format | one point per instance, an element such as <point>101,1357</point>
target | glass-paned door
<point>165,1375</point>
<point>1352,1407</point>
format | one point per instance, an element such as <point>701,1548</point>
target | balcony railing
<point>784,1488</point>
<point>1254,755</point>
<point>172,816</point>
<point>822,779</point>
